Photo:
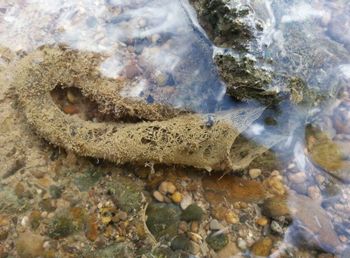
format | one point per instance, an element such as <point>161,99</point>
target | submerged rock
<point>163,220</point>
<point>192,213</point>
<point>217,241</point>
<point>29,245</point>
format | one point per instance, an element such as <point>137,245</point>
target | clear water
<point>163,41</point>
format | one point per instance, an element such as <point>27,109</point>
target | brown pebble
<point>183,227</point>
<point>167,187</point>
<point>158,196</point>
<point>70,109</point>
<point>194,227</point>
<point>91,232</point>
<point>132,71</point>
<point>231,217</point>
<point>262,221</point>
<point>262,247</point>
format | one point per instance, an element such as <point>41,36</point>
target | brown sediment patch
<point>170,136</point>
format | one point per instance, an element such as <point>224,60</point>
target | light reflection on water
<point>160,47</point>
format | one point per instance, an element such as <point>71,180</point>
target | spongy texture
<point>168,136</point>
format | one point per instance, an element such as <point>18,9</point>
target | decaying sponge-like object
<point>168,136</point>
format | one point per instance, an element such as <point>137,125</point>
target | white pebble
<point>254,173</point>
<point>186,201</point>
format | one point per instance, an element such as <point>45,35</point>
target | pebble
<point>215,225</point>
<point>230,250</point>
<point>183,227</point>
<point>262,221</point>
<point>242,244</point>
<point>275,185</point>
<point>167,187</point>
<point>231,217</point>
<point>192,212</point>
<point>29,245</point>
<point>314,192</point>
<point>262,248</point>
<point>254,173</point>
<point>217,242</point>
<point>297,178</point>
<point>186,201</point>
<point>158,196</point>
<point>176,197</point>
<point>276,227</point>
<point>194,248</point>
<point>194,226</point>
<point>25,221</point>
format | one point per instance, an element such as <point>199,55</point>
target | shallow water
<point>160,47</point>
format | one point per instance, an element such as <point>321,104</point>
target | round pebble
<point>262,221</point>
<point>167,187</point>
<point>254,173</point>
<point>231,217</point>
<point>215,225</point>
<point>176,197</point>
<point>186,201</point>
<point>158,196</point>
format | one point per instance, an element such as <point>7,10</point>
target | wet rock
<point>91,228</point>
<point>275,207</point>
<point>274,185</point>
<point>232,189</point>
<point>312,223</point>
<point>230,250</point>
<point>231,217</point>
<point>186,201</point>
<point>192,212</point>
<point>254,173</point>
<point>176,197</point>
<point>215,225</point>
<point>217,241</point>
<point>181,243</point>
<point>158,196</point>
<point>46,205</point>
<point>62,225</point>
<point>55,191</point>
<point>87,180</point>
<point>262,247</point>
<point>327,153</point>
<point>126,193</point>
<point>10,203</point>
<point>244,80</point>
<point>163,220</point>
<point>276,227</point>
<point>262,221</point>
<point>167,187</point>
<point>35,219</point>
<point>29,245</point>
<point>114,250</point>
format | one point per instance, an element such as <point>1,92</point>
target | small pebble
<point>194,226</point>
<point>231,217</point>
<point>297,178</point>
<point>242,244</point>
<point>183,227</point>
<point>158,196</point>
<point>25,221</point>
<point>215,225</point>
<point>314,192</point>
<point>167,187</point>
<point>254,173</point>
<point>276,227</point>
<point>262,221</point>
<point>192,212</point>
<point>186,201</point>
<point>176,197</point>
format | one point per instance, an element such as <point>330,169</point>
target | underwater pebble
<point>242,244</point>
<point>186,201</point>
<point>176,197</point>
<point>217,241</point>
<point>276,227</point>
<point>231,217</point>
<point>167,187</point>
<point>297,178</point>
<point>262,221</point>
<point>29,245</point>
<point>314,192</point>
<point>158,196</point>
<point>254,173</point>
<point>192,212</point>
<point>215,225</point>
<point>262,247</point>
<point>194,226</point>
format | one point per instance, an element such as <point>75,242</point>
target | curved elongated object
<point>175,138</point>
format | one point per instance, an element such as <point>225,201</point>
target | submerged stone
<point>192,212</point>
<point>181,243</point>
<point>233,189</point>
<point>217,241</point>
<point>29,245</point>
<point>262,247</point>
<point>163,220</point>
<point>115,250</point>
